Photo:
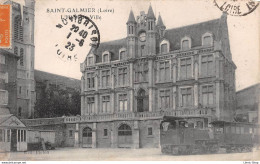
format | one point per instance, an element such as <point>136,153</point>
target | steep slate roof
<point>41,76</point>
<point>194,31</point>
<point>174,35</point>
<point>159,21</point>
<point>150,13</point>
<point>113,47</point>
<point>131,18</point>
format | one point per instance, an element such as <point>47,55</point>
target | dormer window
<point>105,57</point>
<point>185,43</point>
<point>122,54</point>
<point>207,39</point>
<point>90,60</point>
<point>164,46</point>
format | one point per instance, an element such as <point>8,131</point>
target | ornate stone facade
<point>128,85</point>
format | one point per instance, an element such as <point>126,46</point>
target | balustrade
<point>141,115</point>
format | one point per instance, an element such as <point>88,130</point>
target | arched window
<point>18,28</point>
<point>15,50</point>
<point>142,101</point>
<point>185,43</point>
<point>87,132</point>
<point>21,56</point>
<point>124,130</point>
<point>105,58</point>
<point>17,22</point>
<point>207,39</point>
<point>91,60</point>
<point>164,48</point>
<point>122,55</point>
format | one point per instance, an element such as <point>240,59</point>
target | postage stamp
<point>237,7</point>
<point>5,30</point>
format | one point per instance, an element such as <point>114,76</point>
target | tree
<point>56,103</point>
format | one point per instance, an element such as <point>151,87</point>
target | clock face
<point>142,37</point>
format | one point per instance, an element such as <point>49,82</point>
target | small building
<point>13,134</point>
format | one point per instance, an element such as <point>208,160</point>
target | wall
<point>147,141</point>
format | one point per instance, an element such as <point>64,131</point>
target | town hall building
<point>129,84</point>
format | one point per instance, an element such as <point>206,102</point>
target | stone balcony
<point>205,112</point>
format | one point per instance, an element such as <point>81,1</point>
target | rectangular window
<point>105,132</point>
<point>3,97</point>
<point>122,102</point>
<point>22,138</point>
<point>207,66</point>
<point>165,99</point>
<point>207,95</point>
<point>142,50</point>
<point>21,57</point>
<point>122,76</point>
<point>186,97</point>
<point>2,59</point>
<point>19,135</point>
<point>24,135</point>
<point>150,131</point>
<point>185,68</point>
<point>242,130</point>
<point>141,72</point>
<point>237,130</point>
<point>164,71</point>
<point>70,133</point>
<point>91,104</point>
<point>4,76</point>
<point>105,78</point>
<point>90,80</point>
<point>164,48</point>
<point>20,90</point>
<point>1,135</point>
<point>90,60</point>
<point>8,135</point>
<point>105,104</point>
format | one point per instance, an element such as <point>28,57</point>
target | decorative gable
<point>12,121</point>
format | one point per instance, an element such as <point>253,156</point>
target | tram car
<point>178,138</point>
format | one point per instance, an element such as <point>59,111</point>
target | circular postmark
<point>237,7</point>
<point>80,34</point>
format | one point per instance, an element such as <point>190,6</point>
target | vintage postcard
<point>113,80</point>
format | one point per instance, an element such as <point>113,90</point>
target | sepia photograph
<point>114,80</point>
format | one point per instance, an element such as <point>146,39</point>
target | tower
<point>131,36</point>
<point>160,27</point>
<point>23,46</point>
<point>151,32</point>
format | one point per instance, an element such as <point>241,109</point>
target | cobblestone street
<point>70,154</point>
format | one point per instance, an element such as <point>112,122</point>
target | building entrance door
<point>13,139</point>
<point>124,136</point>
<point>87,137</point>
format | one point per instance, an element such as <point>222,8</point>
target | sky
<point>243,31</point>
